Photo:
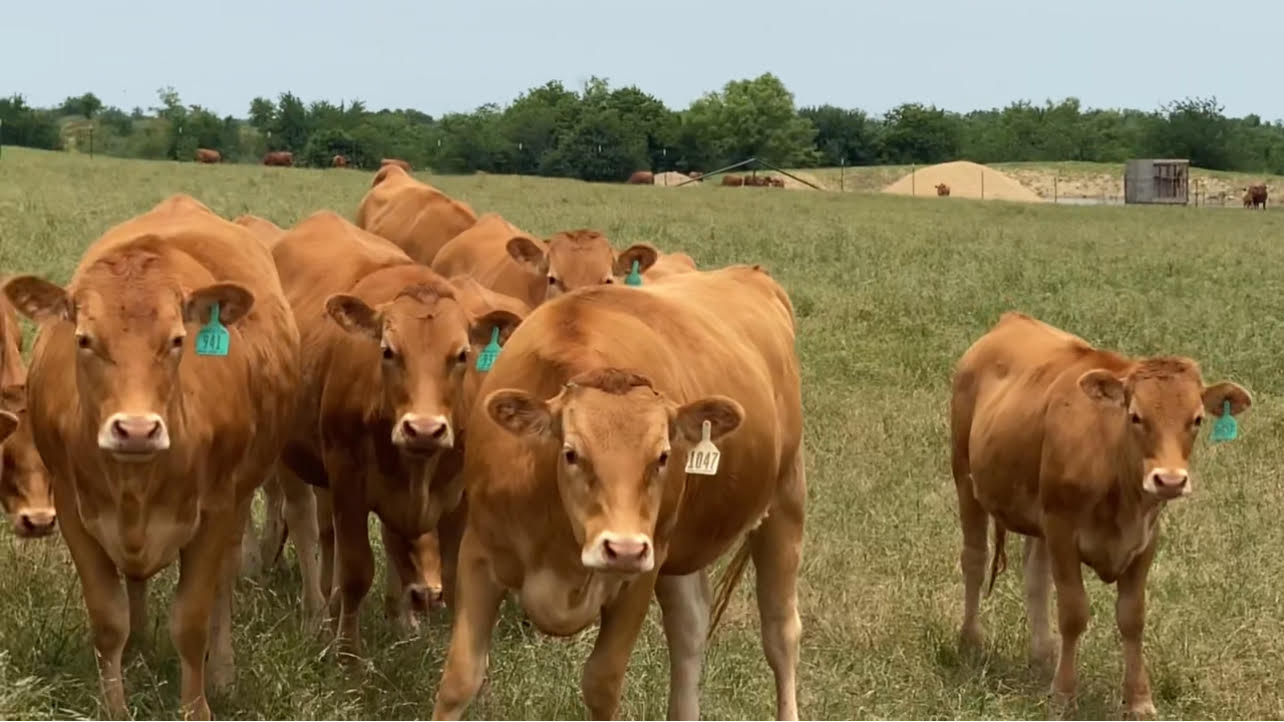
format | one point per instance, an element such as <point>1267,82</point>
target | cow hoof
<point>1142,709</point>
<point>1043,657</point>
<point>220,676</point>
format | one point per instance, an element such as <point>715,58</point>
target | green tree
<point>1193,128</point>
<point>914,133</point>
<point>753,118</point>
<point>87,105</point>
<point>20,124</point>
<point>843,135</point>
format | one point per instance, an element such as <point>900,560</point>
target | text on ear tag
<point>703,459</point>
<point>1225,428</point>
<point>213,338</point>
<point>488,356</point>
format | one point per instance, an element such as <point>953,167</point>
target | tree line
<point>601,133</point>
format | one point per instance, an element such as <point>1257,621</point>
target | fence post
<point>842,173</point>
<point>1,137</point>
<point>1054,190</point>
<point>91,142</point>
<point>982,183</point>
<point>913,180</point>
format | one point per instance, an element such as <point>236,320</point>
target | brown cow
<point>776,182</point>
<point>339,161</point>
<point>641,177</point>
<point>25,491</point>
<point>942,189</point>
<point>266,231</point>
<point>417,217</point>
<point>1079,449</point>
<point>279,157</point>
<point>732,180</point>
<point>155,449</point>
<point>395,161</point>
<point>205,155</point>
<point>507,260</point>
<point>1255,195</point>
<point>578,499</point>
<point>388,346</point>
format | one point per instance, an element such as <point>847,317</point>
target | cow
<point>414,215</point>
<point>1255,195</point>
<point>1079,449</point>
<point>577,493</point>
<point>205,155</point>
<point>507,260</point>
<point>668,265</point>
<point>733,180</point>
<point>641,177</point>
<point>279,157</point>
<point>942,189</point>
<point>339,161</point>
<point>26,495</point>
<point>158,419</point>
<point>267,232</point>
<point>395,161</point>
<point>776,182</point>
<point>388,346</point>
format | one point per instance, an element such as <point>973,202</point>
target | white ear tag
<point>703,459</point>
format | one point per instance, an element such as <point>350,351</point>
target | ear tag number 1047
<point>212,339</point>
<point>703,459</point>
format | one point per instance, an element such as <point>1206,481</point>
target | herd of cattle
<point>583,426</point>
<point>286,158</point>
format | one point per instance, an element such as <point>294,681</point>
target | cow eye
<point>82,340</point>
<point>1198,420</point>
<point>552,280</point>
<point>609,279</point>
<point>176,343</point>
<point>664,458</point>
<point>388,353</point>
<point>570,455</point>
<point>462,356</point>
<point>1136,418</point>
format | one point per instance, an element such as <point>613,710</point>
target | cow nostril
<point>155,430</point>
<point>408,429</point>
<point>27,524</point>
<point>439,432</point>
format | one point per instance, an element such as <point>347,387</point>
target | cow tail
<point>1000,560</point>
<point>727,585</point>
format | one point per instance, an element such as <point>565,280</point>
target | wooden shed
<point>1157,180</point>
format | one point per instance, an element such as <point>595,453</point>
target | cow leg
<point>272,541</point>
<point>622,620</point>
<point>105,601</point>
<point>251,561</point>
<point>201,566</point>
<point>684,603</point>
<point>325,535</point>
<point>1038,594</point>
<point>1130,615</point>
<point>450,530</point>
<point>136,590</point>
<point>975,522</point>
<point>399,576</point>
<point>477,599</point>
<point>354,566</point>
<point>776,546</point>
<point>301,518</point>
<point>1072,601</point>
<point>221,659</point>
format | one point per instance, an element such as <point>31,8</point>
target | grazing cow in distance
<point>339,161</point>
<point>26,494</point>
<point>1079,449</point>
<point>942,189</point>
<point>395,161</point>
<point>777,182</point>
<point>279,157</point>
<point>733,180</point>
<point>205,155</point>
<point>158,419</point>
<point>578,495</point>
<point>417,217</point>
<point>642,177</point>
<point>1255,195</point>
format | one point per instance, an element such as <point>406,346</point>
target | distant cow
<point>279,157</point>
<point>1255,195</point>
<point>732,180</point>
<point>339,161</point>
<point>642,177</point>
<point>397,162</point>
<point>942,189</point>
<point>205,155</point>
<point>777,182</point>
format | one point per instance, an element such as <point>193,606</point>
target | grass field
<point>888,291</point>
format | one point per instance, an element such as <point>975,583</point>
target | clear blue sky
<point>441,56</point>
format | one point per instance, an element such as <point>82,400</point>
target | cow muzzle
<point>34,522</point>
<point>133,437</point>
<point>624,553</point>
<point>423,435</point>
<point>1167,483</point>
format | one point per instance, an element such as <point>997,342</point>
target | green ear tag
<point>490,353</point>
<point>1225,428</point>
<point>212,339</point>
<point>634,278</point>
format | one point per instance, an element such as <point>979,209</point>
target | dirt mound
<point>966,180</point>
<point>672,178</point>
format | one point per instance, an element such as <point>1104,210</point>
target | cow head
<point>426,341</point>
<point>25,492</point>
<point>575,259</point>
<point>1162,404</point>
<point>132,321</point>
<point>621,449</point>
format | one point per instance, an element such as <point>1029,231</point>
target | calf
<point>1079,449</point>
<point>158,419</point>
<point>339,161</point>
<point>577,489</point>
<point>942,189</point>
<point>25,493</point>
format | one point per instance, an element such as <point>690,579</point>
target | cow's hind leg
<point>684,603</point>
<point>776,546</point>
<point>974,521</point>
<point>1037,575</point>
<point>301,519</point>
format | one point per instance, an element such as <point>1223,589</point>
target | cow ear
<point>527,253</point>
<point>8,423</point>
<point>505,321</point>
<point>354,315</point>
<point>233,299</point>
<point>1102,386</point>
<point>38,299</point>
<point>13,398</point>
<point>723,414</point>
<point>644,253</point>
<point>519,413</point>
<point>1217,395</point>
